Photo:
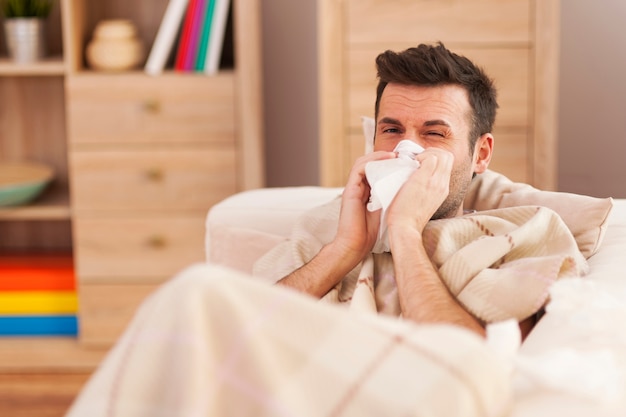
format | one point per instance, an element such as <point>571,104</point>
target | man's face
<point>431,117</point>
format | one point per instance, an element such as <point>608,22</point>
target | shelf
<point>47,354</point>
<point>49,207</point>
<point>52,66</point>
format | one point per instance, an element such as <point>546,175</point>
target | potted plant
<point>24,28</point>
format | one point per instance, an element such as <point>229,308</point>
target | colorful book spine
<point>216,37</point>
<point>36,279</point>
<point>38,302</point>
<point>196,32</point>
<point>184,46</point>
<point>58,325</point>
<point>204,37</point>
<point>38,297</point>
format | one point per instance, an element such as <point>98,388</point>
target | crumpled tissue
<point>385,178</point>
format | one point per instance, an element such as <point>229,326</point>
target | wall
<point>290,92</point>
<point>592,122</point>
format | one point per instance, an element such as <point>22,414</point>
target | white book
<point>216,37</point>
<point>165,36</point>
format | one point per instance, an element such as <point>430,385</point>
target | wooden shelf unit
<point>197,139</point>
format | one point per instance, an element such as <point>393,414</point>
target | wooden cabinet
<point>139,160</point>
<point>516,41</point>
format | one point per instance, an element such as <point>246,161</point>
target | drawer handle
<point>157,242</point>
<point>152,106</point>
<point>155,174</point>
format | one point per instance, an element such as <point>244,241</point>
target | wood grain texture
<point>137,249</point>
<point>106,310</point>
<point>450,21</point>
<point>39,394</point>
<point>134,108</point>
<point>152,179</point>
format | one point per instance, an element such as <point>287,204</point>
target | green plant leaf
<point>26,8</point>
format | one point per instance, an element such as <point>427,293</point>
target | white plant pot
<point>25,38</point>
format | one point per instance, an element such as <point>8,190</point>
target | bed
<point>214,340</point>
<point>573,362</point>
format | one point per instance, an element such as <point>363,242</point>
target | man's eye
<point>391,130</point>
<point>436,134</point>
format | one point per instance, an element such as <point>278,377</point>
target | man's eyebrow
<point>389,121</point>
<point>436,123</point>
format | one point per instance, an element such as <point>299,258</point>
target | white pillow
<point>369,131</point>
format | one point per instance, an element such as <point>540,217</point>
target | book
<point>185,38</point>
<point>216,36</point>
<point>204,37</point>
<point>38,302</point>
<point>57,325</point>
<point>165,37</point>
<point>196,33</point>
<point>36,278</point>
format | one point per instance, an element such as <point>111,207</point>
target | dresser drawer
<point>107,309</point>
<point>450,21</point>
<point>136,249</point>
<point>161,179</point>
<point>136,108</point>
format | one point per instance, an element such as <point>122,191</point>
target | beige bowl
<point>22,182</point>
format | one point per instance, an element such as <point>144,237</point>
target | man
<point>446,104</point>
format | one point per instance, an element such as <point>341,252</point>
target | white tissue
<point>385,178</point>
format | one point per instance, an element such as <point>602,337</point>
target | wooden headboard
<point>516,41</point>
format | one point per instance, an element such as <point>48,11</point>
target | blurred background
<point>592,119</point>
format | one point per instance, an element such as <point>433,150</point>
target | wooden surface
<point>249,94</point>
<point>32,122</point>
<point>138,248</point>
<point>49,66</point>
<point>107,309</point>
<point>39,394</point>
<point>133,108</point>
<point>152,178</point>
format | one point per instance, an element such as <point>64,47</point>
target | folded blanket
<point>499,264</point>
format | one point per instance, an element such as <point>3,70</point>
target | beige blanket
<point>499,263</point>
<point>214,342</point>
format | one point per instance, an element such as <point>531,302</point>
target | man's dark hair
<point>435,65</point>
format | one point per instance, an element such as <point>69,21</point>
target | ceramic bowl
<point>22,182</point>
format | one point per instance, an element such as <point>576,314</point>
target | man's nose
<point>414,137</point>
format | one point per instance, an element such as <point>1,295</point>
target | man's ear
<point>482,153</point>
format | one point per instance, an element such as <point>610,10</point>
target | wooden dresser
<point>147,156</point>
<point>516,41</point>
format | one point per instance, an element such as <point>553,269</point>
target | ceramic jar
<point>115,46</point>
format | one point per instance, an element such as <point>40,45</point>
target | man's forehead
<point>432,104</point>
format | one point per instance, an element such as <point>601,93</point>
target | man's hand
<point>356,236</point>
<point>358,227</point>
<point>424,192</point>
